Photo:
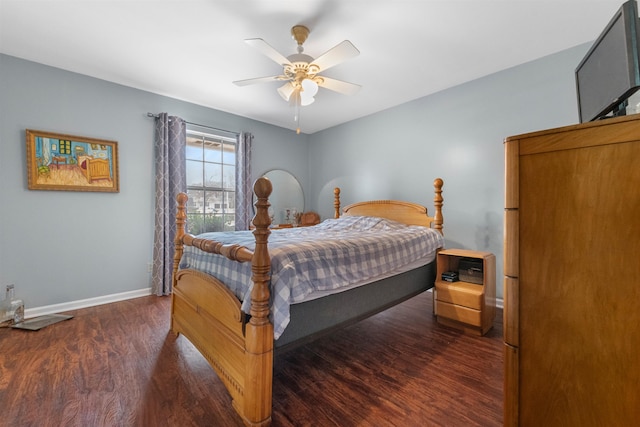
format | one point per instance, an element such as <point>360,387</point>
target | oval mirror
<point>286,199</point>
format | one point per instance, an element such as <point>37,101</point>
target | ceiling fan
<point>301,72</point>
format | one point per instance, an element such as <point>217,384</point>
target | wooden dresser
<point>572,276</point>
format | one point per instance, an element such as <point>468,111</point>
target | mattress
<point>310,262</point>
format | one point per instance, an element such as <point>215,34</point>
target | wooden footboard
<point>212,320</point>
<point>209,315</point>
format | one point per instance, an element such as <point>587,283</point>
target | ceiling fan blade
<point>337,54</point>
<point>337,85</point>
<point>268,51</point>
<point>260,80</point>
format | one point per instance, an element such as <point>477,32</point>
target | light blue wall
<point>49,240</point>
<point>58,246</point>
<point>456,134</point>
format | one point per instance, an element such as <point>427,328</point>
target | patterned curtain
<point>171,179</point>
<point>244,191</point>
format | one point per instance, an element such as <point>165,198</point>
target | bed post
<point>181,219</point>
<point>438,220</point>
<point>259,330</point>
<point>336,202</point>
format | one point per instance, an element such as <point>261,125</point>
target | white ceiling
<point>193,49</point>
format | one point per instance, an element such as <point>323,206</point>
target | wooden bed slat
<point>233,252</point>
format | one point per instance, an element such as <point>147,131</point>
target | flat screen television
<point>610,71</point>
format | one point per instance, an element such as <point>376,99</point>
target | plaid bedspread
<point>327,256</point>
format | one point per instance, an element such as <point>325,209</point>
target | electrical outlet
<point>149,267</point>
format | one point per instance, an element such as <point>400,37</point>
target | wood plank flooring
<point>118,365</point>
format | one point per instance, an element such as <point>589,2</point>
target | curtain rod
<point>155,116</point>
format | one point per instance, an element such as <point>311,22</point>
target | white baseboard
<point>106,299</point>
<point>89,302</point>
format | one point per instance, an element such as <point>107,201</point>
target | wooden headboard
<point>396,210</point>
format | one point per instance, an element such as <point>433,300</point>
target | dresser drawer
<point>460,293</point>
<point>459,313</point>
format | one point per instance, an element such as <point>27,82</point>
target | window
<point>211,182</point>
<point>65,147</point>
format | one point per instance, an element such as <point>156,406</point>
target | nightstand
<point>465,305</point>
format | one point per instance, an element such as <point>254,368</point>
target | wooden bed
<point>240,347</point>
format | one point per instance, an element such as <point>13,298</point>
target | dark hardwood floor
<point>118,365</point>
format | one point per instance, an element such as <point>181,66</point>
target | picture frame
<point>62,162</point>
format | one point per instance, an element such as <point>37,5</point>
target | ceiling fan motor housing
<point>300,68</point>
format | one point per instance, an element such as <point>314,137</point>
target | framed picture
<point>71,163</point>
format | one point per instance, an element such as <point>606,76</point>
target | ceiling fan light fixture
<point>309,87</point>
<point>308,92</point>
<point>286,90</point>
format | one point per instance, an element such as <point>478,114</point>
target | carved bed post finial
<point>336,202</point>
<point>438,220</point>
<point>261,263</point>
<point>181,220</point>
<point>258,391</point>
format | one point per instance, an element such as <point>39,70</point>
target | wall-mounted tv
<point>610,71</point>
